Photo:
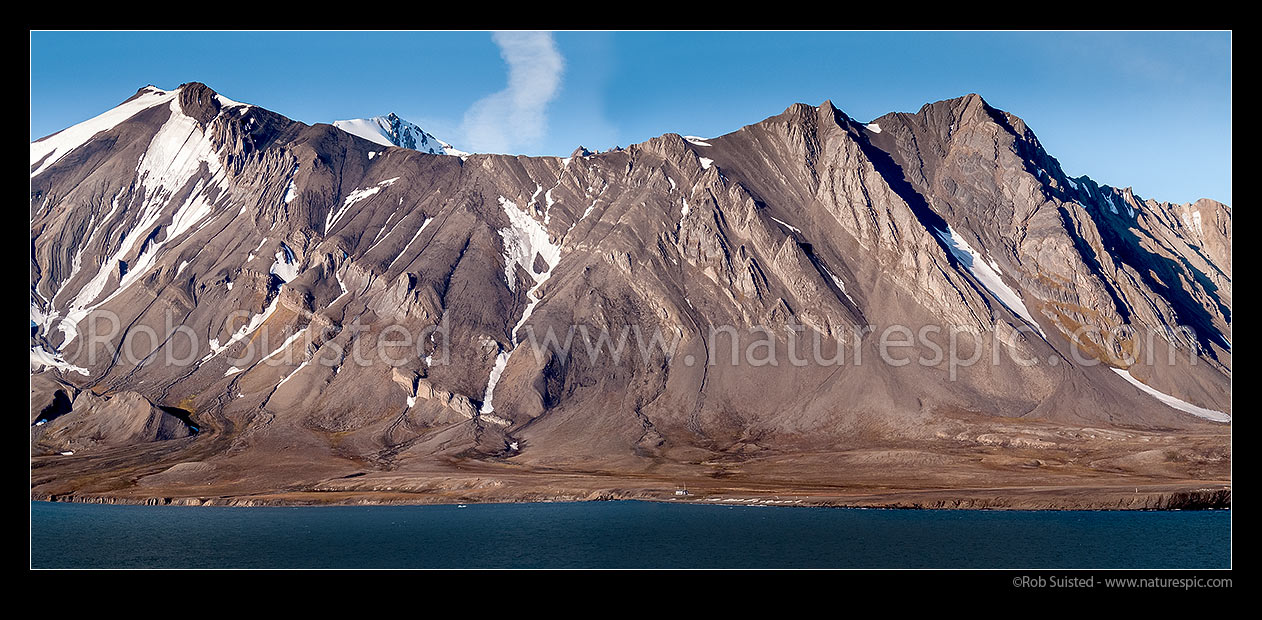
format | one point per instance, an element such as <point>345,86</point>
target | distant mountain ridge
<point>390,130</point>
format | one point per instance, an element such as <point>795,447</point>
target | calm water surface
<point>619,535</point>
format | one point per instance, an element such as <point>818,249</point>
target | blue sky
<point>1148,110</point>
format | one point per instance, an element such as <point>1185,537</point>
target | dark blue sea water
<point>619,535</point>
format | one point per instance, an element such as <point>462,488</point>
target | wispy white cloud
<point>515,118</point>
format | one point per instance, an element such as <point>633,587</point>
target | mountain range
<point>228,306</point>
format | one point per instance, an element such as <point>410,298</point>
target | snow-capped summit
<point>391,130</point>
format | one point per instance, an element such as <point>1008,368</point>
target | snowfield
<point>53,147</point>
<point>1181,405</point>
<point>987,272</point>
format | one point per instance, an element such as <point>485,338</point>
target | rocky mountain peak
<point>199,102</point>
<point>828,110</point>
<point>393,130</point>
<point>801,116</point>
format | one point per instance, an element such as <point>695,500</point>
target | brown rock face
<point>319,306</point>
<point>198,102</point>
<point>87,421</point>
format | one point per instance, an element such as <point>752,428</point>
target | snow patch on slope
<point>840,283</point>
<point>786,225</point>
<point>41,358</point>
<point>289,376</point>
<point>352,198</point>
<point>244,332</point>
<point>988,274</point>
<point>1181,405</point>
<point>420,230</point>
<point>450,150</point>
<point>501,361</point>
<point>285,267</point>
<point>285,345</point>
<point>54,147</point>
<point>524,238</point>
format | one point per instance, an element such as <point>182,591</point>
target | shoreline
<point>937,499</point>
